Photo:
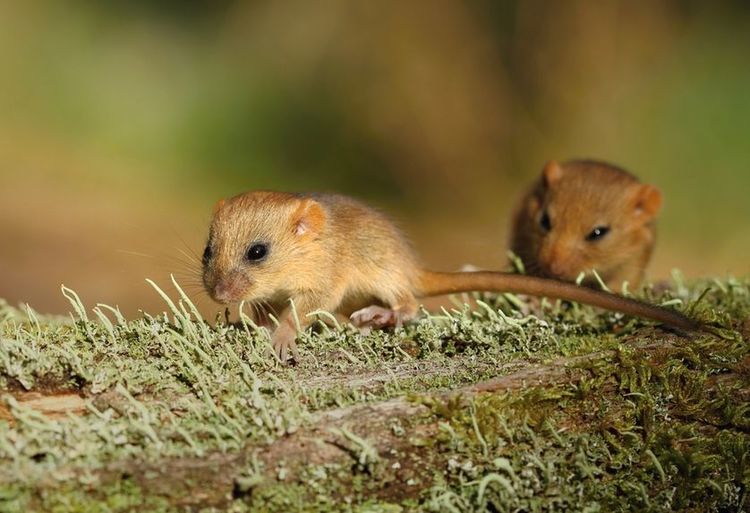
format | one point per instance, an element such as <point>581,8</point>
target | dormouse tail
<point>439,283</point>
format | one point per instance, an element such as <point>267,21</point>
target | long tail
<point>439,283</point>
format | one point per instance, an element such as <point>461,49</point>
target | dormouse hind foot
<point>378,317</point>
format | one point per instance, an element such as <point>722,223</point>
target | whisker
<point>264,310</point>
<point>188,247</point>
<point>191,287</point>
<point>134,253</point>
<point>265,307</point>
<point>185,262</point>
<point>187,270</point>
<point>187,273</point>
<point>189,257</point>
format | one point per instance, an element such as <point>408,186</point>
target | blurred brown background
<point>122,123</point>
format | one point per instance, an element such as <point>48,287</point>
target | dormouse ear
<point>309,218</point>
<point>551,173</point>
<point>648,200</point>
<point>218,205</point>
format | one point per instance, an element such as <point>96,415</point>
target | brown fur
<point>332,253</point>
<point>579,196</point>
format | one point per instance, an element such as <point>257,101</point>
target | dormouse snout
<point>556,261</point>
<point>230,288</point>
<point>560,269</point>
<point>557,267</point>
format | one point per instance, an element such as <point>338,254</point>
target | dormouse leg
<point>375,316</point>
<point>283,338</point>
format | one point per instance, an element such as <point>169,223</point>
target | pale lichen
<point>180,412</point>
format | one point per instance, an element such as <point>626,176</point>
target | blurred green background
<point>121,123</point>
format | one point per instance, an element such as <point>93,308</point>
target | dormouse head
<point>259,244</point>
<point>591,215</point>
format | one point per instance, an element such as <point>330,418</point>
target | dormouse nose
<point>230,288</point>
<point>223,292</point>
<point>555,260</point>
<point>558,264</point>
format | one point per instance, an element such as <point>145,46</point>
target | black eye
<point>257,252</point>
<point>545,223</point>
<point>206,255</point>
<point>597,233</point>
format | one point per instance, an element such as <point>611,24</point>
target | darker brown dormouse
<point>586,215</point>
<point>332,253</point>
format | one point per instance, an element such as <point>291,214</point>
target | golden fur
<point>333,253</point>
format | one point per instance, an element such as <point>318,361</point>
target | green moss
<point>652,445</point>
<point>121,496</point>
<point>638,421</point>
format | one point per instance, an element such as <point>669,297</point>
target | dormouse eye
<point>545,222</point>
<point>597,233</point>
<point>257,252</point>
<point>206,255</point>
